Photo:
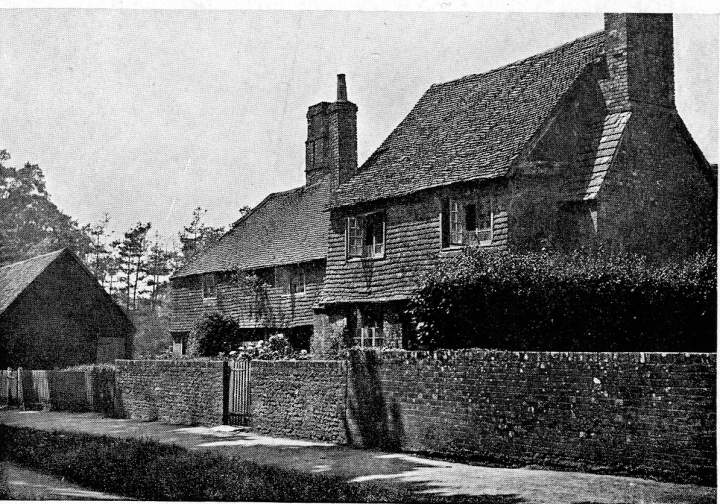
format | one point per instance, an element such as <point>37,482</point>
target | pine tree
<point>132,261</point>
<point>197,236</point>
<point>159,266</point>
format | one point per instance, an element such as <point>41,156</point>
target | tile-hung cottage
<point>577,146</point>
<point>268,270</point>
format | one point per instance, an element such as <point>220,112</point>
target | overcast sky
<point>147,114</point>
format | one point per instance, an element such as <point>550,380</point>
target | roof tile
<point>16,277</point>
<point>285,228</point>
<point>470,128</point>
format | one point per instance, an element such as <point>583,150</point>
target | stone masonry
<point>173,391</point>
<point>303,399</point>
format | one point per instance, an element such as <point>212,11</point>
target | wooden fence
<point>70,390</point>
<point>11,393</point>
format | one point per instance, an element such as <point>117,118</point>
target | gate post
<point>226,392</point>
<point>20,392</point>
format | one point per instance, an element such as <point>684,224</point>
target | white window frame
<point>366,335</point>
<point>355,229</point>
<point>457,218</point>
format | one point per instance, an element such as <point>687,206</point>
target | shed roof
<point>16,277</point>
<point>471,128</point>
<point>285,228</point>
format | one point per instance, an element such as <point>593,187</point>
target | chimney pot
<point>341,88</point>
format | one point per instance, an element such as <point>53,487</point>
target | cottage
<point>580,146</point>
<point>54,313</point>
<point>268,270</point>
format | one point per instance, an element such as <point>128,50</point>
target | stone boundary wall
<point>644,413</point>
<point>174,391</point>
<point>304,399</point>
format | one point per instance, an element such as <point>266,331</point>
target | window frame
<point>455,227</point>
<point>209,292</point>
<point>297,271</point>
<point>359,231</point>
<point>369,327</point>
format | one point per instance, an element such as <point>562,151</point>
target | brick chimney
<point>331,146</point>
<point>639,54</point>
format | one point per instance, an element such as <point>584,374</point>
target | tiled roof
<point>472,128</point>
<point>16,277</point>
<point>285,228</point>
<point>599,150</point>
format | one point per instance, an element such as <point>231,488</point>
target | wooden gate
<point>239,393</point>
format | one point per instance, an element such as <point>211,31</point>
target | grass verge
<point>148,470</point>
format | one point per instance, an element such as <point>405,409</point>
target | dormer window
<point>366,236</point>
<point>466,221</point>
<point>209,287</point>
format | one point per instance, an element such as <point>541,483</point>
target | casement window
<point>369,328</point>
<point>209,286</point>
<point>366,235</point>
<point>297,280</point>
<point>466,221</point>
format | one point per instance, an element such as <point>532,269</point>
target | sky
<point>147,114</point>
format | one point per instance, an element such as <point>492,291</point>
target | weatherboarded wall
<point>173,391</point>
<point>272,307</point>
<point>643,413</point>
<point>303,399</point>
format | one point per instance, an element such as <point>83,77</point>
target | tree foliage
<point>132,262</point>
<point>197,236</point>
<point>579,302</point>
<point>30,223</point>
<point>160,264</point>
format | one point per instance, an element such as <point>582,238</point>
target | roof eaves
<point>181,272</point>
<point>431,187</point>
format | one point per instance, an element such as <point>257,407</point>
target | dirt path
<point>25,484</point>
<point>431,476</point>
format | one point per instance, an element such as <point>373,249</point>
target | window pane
<point>378,230</point>
<point>484,215</point>
<point>355,237</point>
<point>444,222</point>
<point>208,281</point>
<point>471,217</point>
<point>297,281</point>
<point>456,230</point>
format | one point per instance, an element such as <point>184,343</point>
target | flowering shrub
<point>581,302</point>
<point>276,347</point>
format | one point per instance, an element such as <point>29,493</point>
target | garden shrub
<point>578,302</point>
<point>149,470</point>
<point>216,333</point>
<point>4,490</point>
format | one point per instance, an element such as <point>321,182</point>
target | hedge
<point>575,302</point>
<point>148,470</point>
<point>4,490</point>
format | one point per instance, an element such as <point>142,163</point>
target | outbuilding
<point>54,314</point>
